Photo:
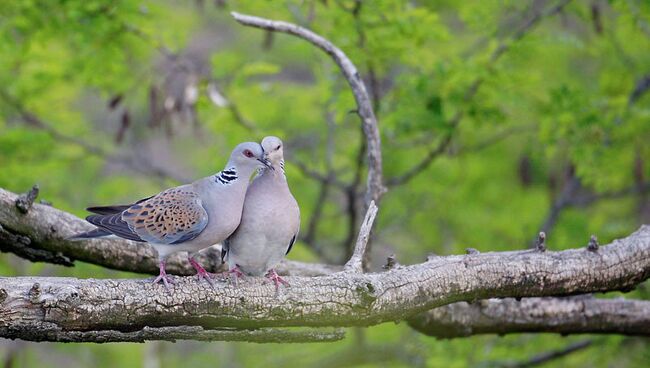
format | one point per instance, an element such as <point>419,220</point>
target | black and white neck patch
<point>227,176</point>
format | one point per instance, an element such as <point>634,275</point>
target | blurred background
<point>498,119</point>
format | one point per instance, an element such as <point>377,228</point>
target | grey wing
<point>114,225</point>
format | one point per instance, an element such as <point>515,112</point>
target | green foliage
<point>558,99</point>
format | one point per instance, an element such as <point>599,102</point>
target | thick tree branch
<point>43,331</point>
<point>573,315</point>
<point>375,187</point>
<point>40,236</point>
<point>341,299</point>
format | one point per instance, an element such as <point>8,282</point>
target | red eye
<point>248,153</point>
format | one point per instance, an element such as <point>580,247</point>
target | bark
<point>52,305</point>
<point>39,332</point>
<point>40,236</point>
<point>340,299</point>
<point>573,315</point>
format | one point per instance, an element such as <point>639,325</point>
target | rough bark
<point>572,315</point>
<point>39,332</point>
<point>340,299</point>
<point>40,236</point>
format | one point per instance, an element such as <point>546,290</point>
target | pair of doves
<point>257,224</point>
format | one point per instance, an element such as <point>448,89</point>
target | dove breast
<point>269,224</point>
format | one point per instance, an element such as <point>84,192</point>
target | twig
<point>563,201</point>
<point>571,197</point>
<point>34,121</point>
<point>355,263</point>
<point>471,91</point>
<point>315,175</point>
<point>551,355</point>
<point>351,204</point>
<point>375,188</point>
<point>317,213</point>
<point>26,200</point>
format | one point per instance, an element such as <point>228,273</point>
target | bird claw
<point>166,280</point>
<point>164,277</point>
<point>201,273</point>
<point>228,275</point>
<point>277,280</point>
<point>207,276</point>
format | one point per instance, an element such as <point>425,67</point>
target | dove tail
<point>96,233</point>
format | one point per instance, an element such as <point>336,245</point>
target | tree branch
<point>340,299</point>
<point>44,331</point>
<point>355,263</point>
<point>573,315</point>
<point>375,187</point>
<point>40,236</point>
<point>545,357</point>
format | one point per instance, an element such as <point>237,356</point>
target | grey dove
<point>188,217</point>
<point>269,224</point>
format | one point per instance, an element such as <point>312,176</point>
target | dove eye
<point>248,153</point>
<point>278,147</point>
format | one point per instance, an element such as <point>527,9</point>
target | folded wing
<point>171,217</point>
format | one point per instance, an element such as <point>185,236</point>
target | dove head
<point>249,155</point>
<point>273,149</point>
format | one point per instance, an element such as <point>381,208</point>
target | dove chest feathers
<point>270,220</point>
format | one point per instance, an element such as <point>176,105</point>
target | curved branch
<point>574,315</point>
<point>375,187</point>
<point>341,299</point>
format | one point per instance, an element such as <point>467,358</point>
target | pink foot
<point>201,273</point>
<point>236,272</point>
<point>166,279</point>
<point>277,280</point>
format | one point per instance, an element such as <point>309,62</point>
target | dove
<point>188,217</point>
<point>270,221</point>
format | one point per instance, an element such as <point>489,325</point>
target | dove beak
<point>265,161</point>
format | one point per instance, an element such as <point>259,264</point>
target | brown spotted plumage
<point>186,218</point>
<point>173,216</point>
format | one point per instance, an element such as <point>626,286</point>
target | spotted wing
<point>171,217</point>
